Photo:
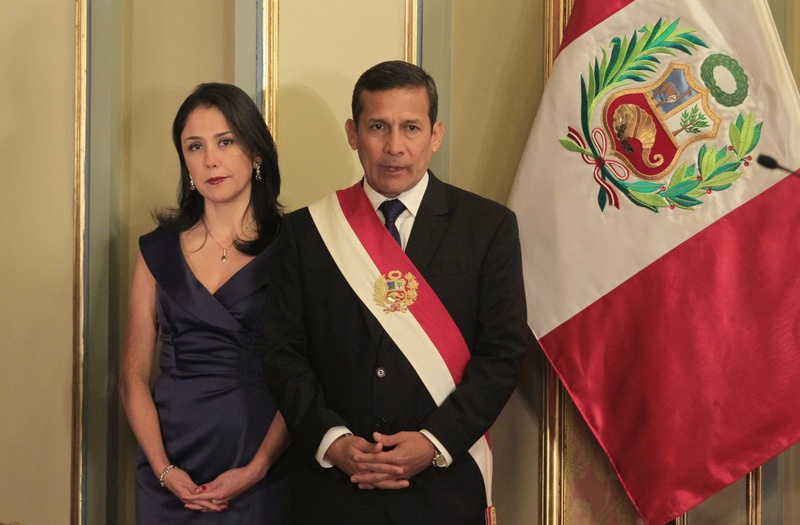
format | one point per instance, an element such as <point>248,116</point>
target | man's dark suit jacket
<point>324,350</point>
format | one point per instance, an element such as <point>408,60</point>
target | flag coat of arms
<point>662,263</point>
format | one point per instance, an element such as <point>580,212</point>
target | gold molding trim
<point>554,396</point>
<point>412,31</point>
<point>556,14</point>
<point>269,71</point>
<point>79,230</point>
<point>551,473</point>
<point>554,404</point>
<point>753,497</point>
<point>792,41</point>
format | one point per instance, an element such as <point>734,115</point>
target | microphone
<point>770,163</point>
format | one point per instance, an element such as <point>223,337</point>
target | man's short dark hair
<point>395,74</point>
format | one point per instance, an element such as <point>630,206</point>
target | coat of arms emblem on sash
<point>395,292</point>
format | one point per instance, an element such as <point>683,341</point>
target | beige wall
<point>324,47</point>
<point>497,79</point>
<point>37,101</point>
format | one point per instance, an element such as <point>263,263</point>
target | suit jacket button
<point>380,372</point>
<point>380,423</point>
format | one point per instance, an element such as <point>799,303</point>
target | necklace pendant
<point>224,255</point>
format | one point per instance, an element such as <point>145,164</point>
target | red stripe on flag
<point>583,18</point>
<point>387,255</point>
<point>688,373</point>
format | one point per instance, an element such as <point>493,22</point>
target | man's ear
<point>352,133</point>
<point>437,135</point>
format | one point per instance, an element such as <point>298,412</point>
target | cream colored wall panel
<point>324,47</point>
<point>791,29</point>
<point>36,235</point>
<point>515,446</point>
<point>497,78</point>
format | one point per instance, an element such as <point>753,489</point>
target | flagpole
<point>754,497</point>
<point>554,396</point>
<point>553,447</point>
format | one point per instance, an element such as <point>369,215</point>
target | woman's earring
<point>258,171</point>
<point>191,183</point>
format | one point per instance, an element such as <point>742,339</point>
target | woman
<point>210,432</point>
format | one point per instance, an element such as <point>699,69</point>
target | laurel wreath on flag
<point>635,60</point>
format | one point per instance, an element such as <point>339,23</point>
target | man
<point>394,336</point>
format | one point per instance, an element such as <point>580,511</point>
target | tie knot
<point>391,210</point>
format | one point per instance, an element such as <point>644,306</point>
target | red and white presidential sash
<point>392,288</point>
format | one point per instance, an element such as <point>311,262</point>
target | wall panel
<point>36,271</point>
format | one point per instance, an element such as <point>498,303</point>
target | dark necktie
<point>391,211</point>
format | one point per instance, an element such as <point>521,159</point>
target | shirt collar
<point>411,199</point>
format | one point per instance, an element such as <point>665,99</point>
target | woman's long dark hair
<point>254,137</point>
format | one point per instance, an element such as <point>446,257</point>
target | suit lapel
<point>430,224</point>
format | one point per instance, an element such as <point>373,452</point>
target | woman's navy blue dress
<point>212,400</point>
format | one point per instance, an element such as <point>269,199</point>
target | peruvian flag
<point>662,263</point>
